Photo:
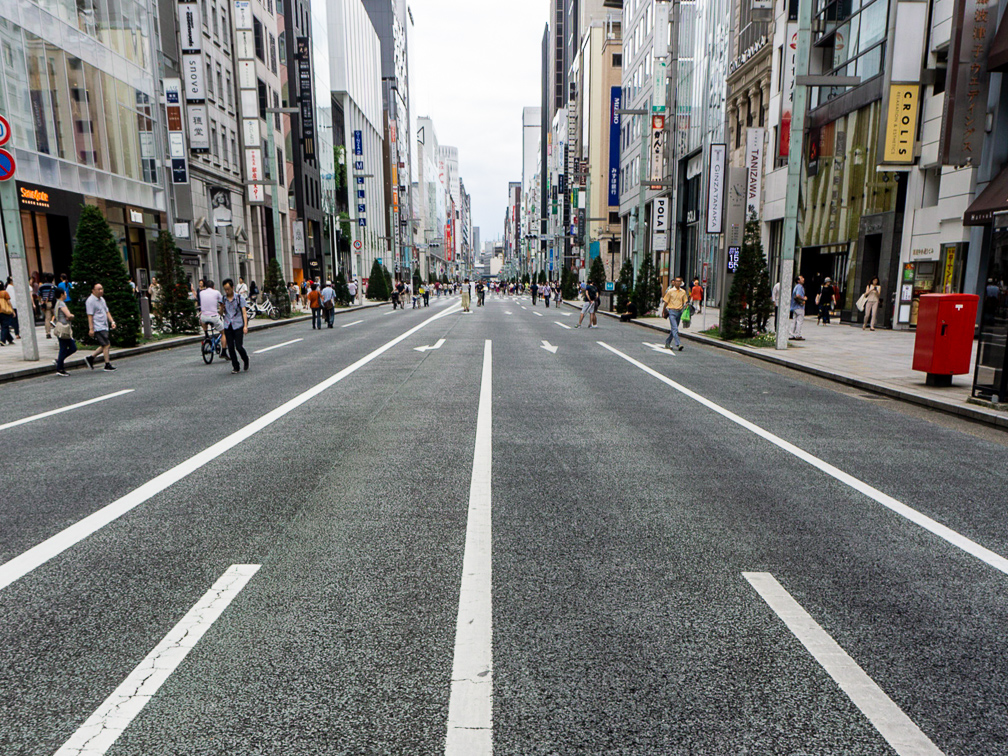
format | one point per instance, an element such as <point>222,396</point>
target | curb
<point>976,414</point>
<point>48,368</point>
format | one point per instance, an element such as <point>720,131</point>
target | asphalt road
<point>624,513</point>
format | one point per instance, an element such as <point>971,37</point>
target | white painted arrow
<point>658,348</point>
<point>549,347</point>
<point>427,348</point>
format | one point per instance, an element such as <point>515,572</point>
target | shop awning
<point>997,58</point>
<point>991,201</point>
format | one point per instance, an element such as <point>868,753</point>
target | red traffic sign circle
<point>4,131</point>
<point>357,244</point>
<point>7,165</point>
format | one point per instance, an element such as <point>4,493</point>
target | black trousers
<point>235,345</point>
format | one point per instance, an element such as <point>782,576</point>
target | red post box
<point>944,345</point>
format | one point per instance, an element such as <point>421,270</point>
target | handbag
<point>685,319</point>
<point>62,330</point>
<point>862,301</point>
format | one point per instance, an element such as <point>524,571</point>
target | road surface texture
<point>665,552</point>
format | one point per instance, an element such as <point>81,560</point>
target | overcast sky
<point>474,65</point>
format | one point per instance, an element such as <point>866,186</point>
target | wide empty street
<point>431,532</point>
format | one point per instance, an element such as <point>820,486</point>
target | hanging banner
<point>754,169</point>
<point>220,206</point>
<point>299,240</point>
<point>615,98</point>
<point>190,27</point>
<point>901,124</point>
<point>661,30</point>
<point>967,81</point>
<point>243,14</point>
<point>199,129</point>
<point>657,149</point>
<point>716,189</point>
<point>192,71</point>
<point>305,97</point>
<point>176,130</point>
<point>659,224</point>
<point>658,99</point>
<point>787,91</point>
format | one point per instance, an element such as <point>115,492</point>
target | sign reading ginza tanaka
<point>716,189</point>
<point>965,112</point>
<point>305,98</point>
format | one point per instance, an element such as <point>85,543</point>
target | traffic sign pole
<point>14,242</point>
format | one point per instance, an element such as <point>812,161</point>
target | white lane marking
<point>524,307</point>
<point>995,560</point>
<point>507,312</point>
<point>549,347</point>
<point>538,313</point>
<point>277,346</point>
<point>562,325</point>
<point>50,413</point>
<point>470,703</point>
<point>658,348</point>
<point>114,715</point>
<point>565,314</point>
<point>347,325</point>
<point>54,545</point>
<point>428,348</point>
<point>896,727</point>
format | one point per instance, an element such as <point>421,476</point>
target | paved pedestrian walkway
<point>878,361</point>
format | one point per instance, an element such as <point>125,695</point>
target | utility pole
<point>795,149</point>
<point>16,252</point>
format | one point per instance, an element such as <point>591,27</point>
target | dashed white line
<point>277,346</point>
<point>538,313</point>
<point>562,325</point>
<point>470,702</point>
<point>524,307</point>
<point>114,715</point>
<point>958,540</point>
<point>54,545</point>
<point>889,719</point>
<point>61,410</point>
<point>347,325</point>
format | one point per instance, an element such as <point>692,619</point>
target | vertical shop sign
<point>787,91</point>
<point>716,189</point>
<point>306,99</point>
<point>754,168</point>
<point>615,98</point>
<point>965,110</point>
<point>176,130</point>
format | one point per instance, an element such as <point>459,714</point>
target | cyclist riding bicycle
<point>210,301</point>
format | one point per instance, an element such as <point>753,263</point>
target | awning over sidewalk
<point>992,201</point>
<point>997,57</point>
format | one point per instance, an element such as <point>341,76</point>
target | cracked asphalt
<point>624,514</point>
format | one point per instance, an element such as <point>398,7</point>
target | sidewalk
<point>13,365</point>
<point>878,362</point>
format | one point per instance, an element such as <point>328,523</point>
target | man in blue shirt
<point>234,312</point>
<point>798,299</point>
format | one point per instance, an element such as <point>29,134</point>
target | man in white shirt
<point>100,320</point>
<point>352,288</point>
<point>209,305</point>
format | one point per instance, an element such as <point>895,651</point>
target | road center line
<point>470,704</point>
<point>50,413</point>
<point>538,313</point>
<point>38,555</point>
<point>958,540</point>
<point>277,346</point>
<point>347,325</point>
<point>889,719</point>
<point>562,325</point>
<point>114,715</point>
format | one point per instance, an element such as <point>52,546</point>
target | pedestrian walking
<point>6,315</point>
<point>870,302</point>
<point>47,301</point>
<point>64,333</point>
<point>826,300</point>
<point>254,292</point>
<point>798,300</point>
<point>64,284</point>
<point>234,311</point>
<point>15,326</point>
<point>329,303</point>
<point>242,290</point>
<point>352,288</point>
<point>547,293</point>
<point>465,296</point>
<point>594,298</point>
<point>315,305</point>
<point>425,293</point>
<point>674,301</point>
<point>775,297</point>
<point>696,296</point>
<point>535,291</point>
<point>100,322</point>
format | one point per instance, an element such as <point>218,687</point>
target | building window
<point>257,33</point>
<point>214,148</point>
<point>216,28</point>
<point>224,149</point>
<point>617,60</point>
<point>279,7</point>
<point>283,49</point>
<point>234,151</point>
<point>280,167</point>
<point>263,102</point>
<point>272,49</point>
<point>220,83</point>
<point>230,90</point>
<point>209,80</point>
<point>276,104</point>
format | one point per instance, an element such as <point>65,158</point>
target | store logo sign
<point>34,198</point>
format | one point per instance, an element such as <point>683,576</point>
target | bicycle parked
<point>265,308</point>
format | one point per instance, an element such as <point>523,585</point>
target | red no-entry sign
<point>4,131</point>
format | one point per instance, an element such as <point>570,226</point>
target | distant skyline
<point>473,67</point>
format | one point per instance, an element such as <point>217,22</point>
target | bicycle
<point>211,346</point>
<point>266,308</point>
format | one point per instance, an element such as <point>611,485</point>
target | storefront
<point>49,220</point>
<point>931,271</point>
